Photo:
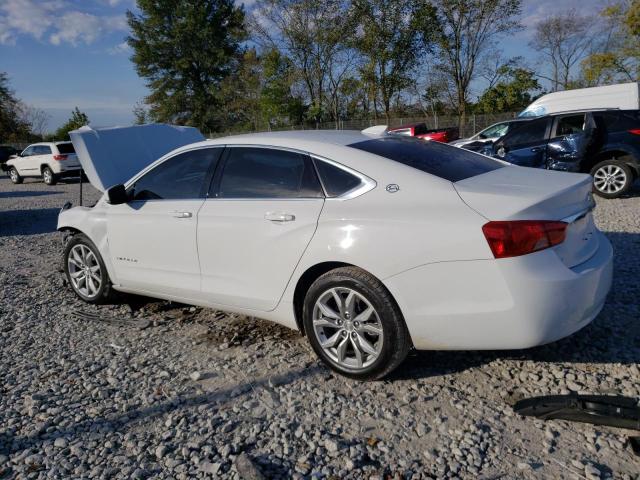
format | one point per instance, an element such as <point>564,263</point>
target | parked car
<point>489,134</point>
<point>604,143</point>
<point>420,130</point>
<point>368,244</point>
<point>49,160</point>
<point>6,152</point>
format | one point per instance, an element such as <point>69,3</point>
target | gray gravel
<point>194,393</point>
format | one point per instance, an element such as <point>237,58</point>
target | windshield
<point>438,159</point>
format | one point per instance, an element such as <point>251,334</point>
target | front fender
<point>92,222</point>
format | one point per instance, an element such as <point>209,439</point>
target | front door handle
<point>279,217</point>
<point>181,214</point>
<point>536,149</point>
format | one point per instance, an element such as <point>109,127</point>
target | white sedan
<point>369,244</point>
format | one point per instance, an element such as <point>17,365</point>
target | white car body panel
<point>423,241</point>
<point>247,260</point>
<point>110,156</point>
<point>162,255</point>
<point>623,96</point>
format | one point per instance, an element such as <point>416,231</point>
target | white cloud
<point>54,20</point>
<point>119,49</point>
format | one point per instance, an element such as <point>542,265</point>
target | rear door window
<point>179,178</point>
<point>444,161</point>
<point>250,172</point>
<point>569,125</point>
<point>42,150</point>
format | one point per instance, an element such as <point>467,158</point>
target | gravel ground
<point>182,392</point>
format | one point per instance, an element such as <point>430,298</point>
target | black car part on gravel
<point>607,410</point>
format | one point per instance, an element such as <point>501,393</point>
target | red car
<point>420,130</point>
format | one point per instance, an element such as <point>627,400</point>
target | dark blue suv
<point>604,143</point>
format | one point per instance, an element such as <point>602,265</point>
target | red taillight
<point>60,157</point>
<point>519,237</point>
<point>635,131</point>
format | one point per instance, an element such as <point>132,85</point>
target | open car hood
<point>110,156</point>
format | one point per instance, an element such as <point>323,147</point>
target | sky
<point>65,53</point>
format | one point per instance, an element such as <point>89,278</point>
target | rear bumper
<point>502,304</point>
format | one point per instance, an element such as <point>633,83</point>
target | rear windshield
<point>444,161</point>
<point>65,148</point>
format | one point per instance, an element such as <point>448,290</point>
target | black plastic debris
<point>606,410</point>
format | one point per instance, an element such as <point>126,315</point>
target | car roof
<point>407,125</point>
<point>293,138</point>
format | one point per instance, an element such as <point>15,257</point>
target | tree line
<point>284,63</point>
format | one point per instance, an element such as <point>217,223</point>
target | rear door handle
<point>279,217</point>
<point>181,214</point>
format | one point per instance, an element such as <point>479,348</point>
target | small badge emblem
<point>393,188</point>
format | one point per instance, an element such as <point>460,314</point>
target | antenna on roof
<point>376,130</point>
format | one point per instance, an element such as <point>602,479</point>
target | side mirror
<point>117,195</point>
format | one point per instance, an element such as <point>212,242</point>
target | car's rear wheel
<point>611,178</point>
<point>14,175</point>
<point>354,324</point>
<point>85,270</point>
<point>48,176</point>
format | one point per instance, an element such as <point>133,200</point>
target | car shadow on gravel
<point>28,222</point>
<point>121,422</point>
<point>26,193</point>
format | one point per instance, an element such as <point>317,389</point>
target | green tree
<point>392,42</point>
<point>315,35</point>
<point>12,126</point>
<point>78,119</point>
<point>468,33</point>
<point>511,94</point>
<point>186,49</point>
<point>140,114</point>
<point>618,59</point>
<point>279,106</point>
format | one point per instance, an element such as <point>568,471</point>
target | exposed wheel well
<point>612,154</point>
<point>42,167</point>
<point>305,281</point>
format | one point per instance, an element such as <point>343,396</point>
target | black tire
<point>48,176</point>
<point>105,290</point>
<point>396,340</point>
<point>624,178</point>
<point>15,176</point>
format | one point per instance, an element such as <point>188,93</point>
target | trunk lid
<point>520,193</point>
<point>110,156</point>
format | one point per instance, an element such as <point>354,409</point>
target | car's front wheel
<point>354,324</point>
<point>611,178</point>
<point>85,270</point>
<point>48,176</point>
<point>14,175</point>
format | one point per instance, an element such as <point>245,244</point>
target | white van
<point>624,96</point>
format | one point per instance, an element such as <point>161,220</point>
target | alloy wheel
<point>84,270</point>
<point>47,176</point>
<point>14,175</point>
<point>348,328</point>
<point>610,179</point>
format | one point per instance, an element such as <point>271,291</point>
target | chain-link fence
<point>474,123</point>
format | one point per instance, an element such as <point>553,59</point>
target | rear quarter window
<point>444,161</point>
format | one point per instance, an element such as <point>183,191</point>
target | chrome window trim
<point>366,183</point>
